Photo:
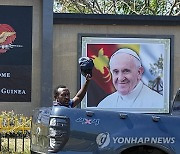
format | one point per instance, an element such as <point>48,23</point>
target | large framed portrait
<point>130,74</point>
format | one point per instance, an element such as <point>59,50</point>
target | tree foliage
<point>126,7</point>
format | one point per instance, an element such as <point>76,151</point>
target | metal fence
<point>14,133</point>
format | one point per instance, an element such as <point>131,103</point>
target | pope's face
<point>126,74</point>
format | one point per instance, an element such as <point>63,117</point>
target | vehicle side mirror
<point>176,104</point>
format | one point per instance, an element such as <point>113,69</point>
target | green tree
<point>126,7</point>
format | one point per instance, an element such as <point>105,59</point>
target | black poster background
<point>17,62</point>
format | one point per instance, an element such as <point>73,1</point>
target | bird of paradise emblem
<point>7,37</point>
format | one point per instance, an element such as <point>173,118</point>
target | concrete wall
<point>60,66</point>
<point>66,40</point>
